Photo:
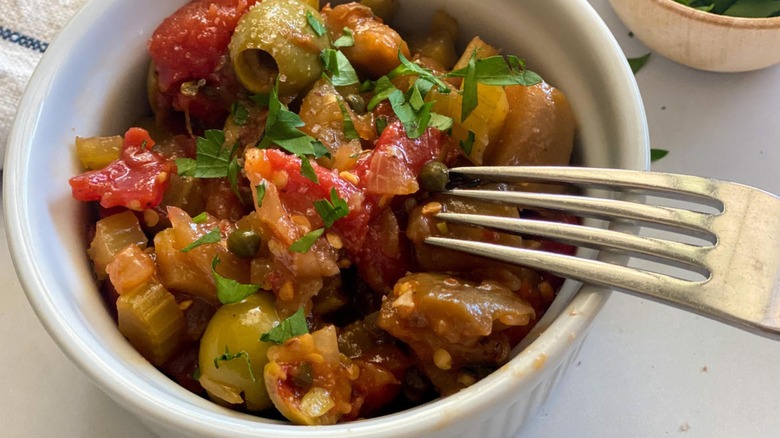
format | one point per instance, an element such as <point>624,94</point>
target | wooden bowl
<point>702,40</point>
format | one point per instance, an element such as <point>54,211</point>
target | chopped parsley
<point>415,113</point>
<point>333,210</point>
<point>350,133</point>
<point>316,24</point>
<point>291,327</point>
<point>409,68</point>
<point>341,71</point>
<point>228,356</point>
<point>657,154</point>
<point>637,63</point>
<point>211,159</point>
<point>304,244</point>
<point>346,39</point>
<point>239,113</point>
<point>229,290</point>
<point>467,144</point>
<point>213,236</point>
<point>281,129</point>
<point>260,193</point>
<point>199,219</point>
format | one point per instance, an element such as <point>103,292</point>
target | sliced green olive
<point>434,176</point>
<point>232,357</point>
<point>274,40</point>
<point>244,243</point>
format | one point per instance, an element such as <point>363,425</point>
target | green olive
<point>231,347</point>
<point>244,243</point>
<point>434,176</point>
<point>274,40</point>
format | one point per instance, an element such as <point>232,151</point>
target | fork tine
<point>608,208</point>
<point>695,186</point>
<point>586,270</point>
<point>598,238</point>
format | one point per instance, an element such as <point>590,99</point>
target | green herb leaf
<point>307,170</point>
<point>415,114</point>
<point>469,101</point>
<point>239,113</point>
<point>383,88</point>
<point>229,290</point>
<point>291,327</point>
<point>212,236</point>
<point>367,85</point>
<point>381,124</point>
<point>260,193</point>
<point>637,63</point>
<point>303,245</point>
<point>753,9</point>
<point>467,144</point>
<point>199,219</point>
<point>211,160</point>
<point>657,154</point>
<point>281,128</point>
<point>346,39</point>
<point>440,122</point>
<point>261,99</point>
<point>350,133</point>
<point>341,71</point>
<point>333,210</point>
<point>228,356</point>
<point>409,68</point>
<point>499,70</point>
<point>186,166</point>
<point>315,24</point>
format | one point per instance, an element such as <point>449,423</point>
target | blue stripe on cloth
<point>23,40</point>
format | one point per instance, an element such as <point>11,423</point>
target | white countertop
<point>645,370</point>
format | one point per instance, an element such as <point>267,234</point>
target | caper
<point>244,243</point>
<point>304,377</point>
<point>357,103</point>
<point>434,176</point>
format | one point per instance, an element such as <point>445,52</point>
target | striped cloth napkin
<point>26,29</point>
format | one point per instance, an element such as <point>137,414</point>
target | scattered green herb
<point>261,99</point>
<point>291,327</point>
<point>381,124</point>
<point>212,236</point>
<point>315,24</point>
<point>467,144</point>
<point>239,113</point>
<point>415,113</point>
<point>350,133</point>
<point>409,68</point>
<point>657,154</point>
<point>382,90</point>
<point>199,219</point>
<point>260,193</point>
<point>228,356</point>
<point>346,39</point>
<point>304,244</point>
<point>229,290</point>
<point>333,210</point>
<point>211,159</point>
<point>341,71</point>
<point>637,63</point>
<point>281,128</point>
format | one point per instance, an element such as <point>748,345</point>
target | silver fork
<point>739,264</point>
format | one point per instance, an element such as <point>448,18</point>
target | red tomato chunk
<point>137,180</point>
